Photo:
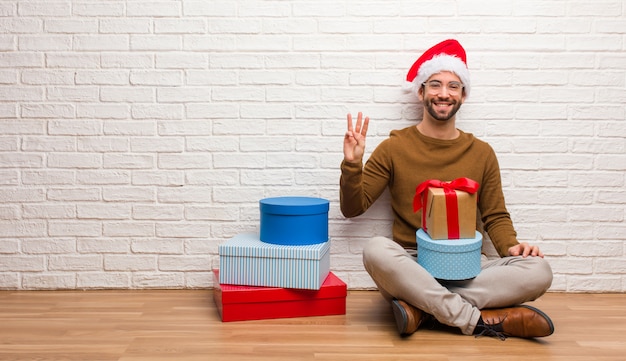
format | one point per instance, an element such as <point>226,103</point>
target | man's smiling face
<point>441,96</point>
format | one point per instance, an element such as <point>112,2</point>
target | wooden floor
<point>184,325</point>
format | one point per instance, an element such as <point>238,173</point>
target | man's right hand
<point>354,140</point>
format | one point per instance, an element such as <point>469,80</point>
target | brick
<point>75,263</point>
<point>15,263</point>
<point>155,42</point>
<point>153,9</point>
<point>43,8</point>
<point>160,178</point>
<point>103,245</point>
<point>126,60</point>
<point>74,160</point>
<point>103,111</point>
<point>71,26</point>
<point>101,42</point>
<point>192,127</point>
<point>75,229</point>
<point>54,111</point>
<point>103,211</point>
<point>48,211</point>
<point>10,212</point>
<point>180,26</point>
<point>128,194</point>
<point>8,195</point>
<point>70,127</point>
<point>158,246</point>
<point>9,246</point>
<point>78,94</point>
<point>200,280</point>
<point>185,161</point>
<point>103,177</point>
<point>45,43</point>
<point>184,263</point>
<point>158,280</point>
<point>129,263</point>
<point>157,111</point>
<point>128,161</point>
<point>182,230</point>
<point>88,9</point>
<point>182,60</point>
<point>125,26</point>
<point>212,177</point>
<point>184,194</point>
<point>54,281</point>
<point>127,94</point>
<point>103,280</point>
<point>128,229</point>
<point>48,246</point>
<point>73,60</point>
<point>211,213</point>
<point>10,281</point>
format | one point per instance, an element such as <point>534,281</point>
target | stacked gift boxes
<point>285,270</point>
<point>448,245</point>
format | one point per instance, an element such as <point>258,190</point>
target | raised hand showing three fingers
<point>354,140</point>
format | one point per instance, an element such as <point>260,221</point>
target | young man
<point>489,304</point>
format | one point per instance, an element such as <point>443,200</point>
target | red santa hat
<point>448,55</point>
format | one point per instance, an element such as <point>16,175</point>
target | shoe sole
<point>542,314</point>
<point>399,314</point>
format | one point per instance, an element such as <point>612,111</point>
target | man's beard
<point>430,107</point>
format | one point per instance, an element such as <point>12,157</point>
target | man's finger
<point>365,125</point>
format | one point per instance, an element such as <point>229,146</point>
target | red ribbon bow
<point>461,184</point>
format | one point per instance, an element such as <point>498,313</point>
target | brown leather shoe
<point>519,321</point>
<point>408,318</point>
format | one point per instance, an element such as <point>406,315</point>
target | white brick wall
<point>135,136</point>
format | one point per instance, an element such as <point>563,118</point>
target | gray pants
<point>502,282</point>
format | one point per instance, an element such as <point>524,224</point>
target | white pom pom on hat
<point>448,55</point>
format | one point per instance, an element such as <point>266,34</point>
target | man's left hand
<point>524,249</point>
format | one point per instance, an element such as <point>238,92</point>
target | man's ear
<point>420,93</point>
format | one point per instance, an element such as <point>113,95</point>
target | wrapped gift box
<point>240,303</point>
<point>456,260</point>
<point>246,260</point>
<point>294,220</point>
<point>440,217</point>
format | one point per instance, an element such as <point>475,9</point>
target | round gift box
<point>294,220</point>
<point>452,260</point>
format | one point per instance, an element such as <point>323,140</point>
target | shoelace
<point>492,330</point>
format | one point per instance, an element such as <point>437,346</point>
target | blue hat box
<point>293,221</point>
<point>452,260</point>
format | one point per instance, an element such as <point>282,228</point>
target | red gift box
<point>241,303</point>
<point>448,208</point>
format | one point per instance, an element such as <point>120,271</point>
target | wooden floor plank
<point>159,325</point>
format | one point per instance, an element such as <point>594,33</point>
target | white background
<point>136,136</point>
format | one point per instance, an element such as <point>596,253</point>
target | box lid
<point>449,245</point>
<point>250,245</point>
<point>294,206</point>
<point>333,287</point>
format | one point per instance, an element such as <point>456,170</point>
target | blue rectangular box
<point>246,260</point>
<point>457,259</point>
<point>294,220</point>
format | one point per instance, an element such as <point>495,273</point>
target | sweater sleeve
<point>359,186</point>
<point>495,216</point>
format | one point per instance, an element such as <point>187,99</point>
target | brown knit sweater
<point>406,159</point>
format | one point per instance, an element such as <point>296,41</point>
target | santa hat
<point>448,55</point>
